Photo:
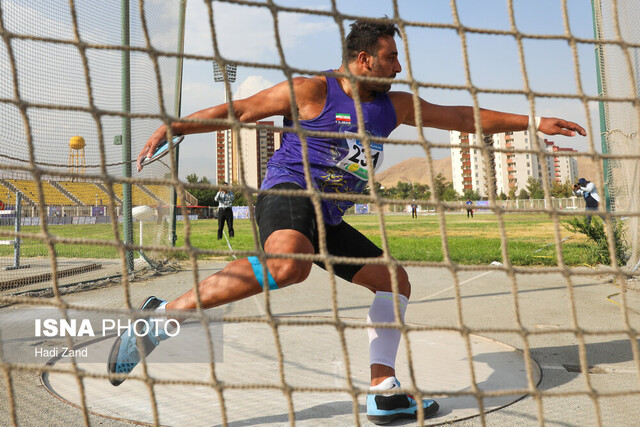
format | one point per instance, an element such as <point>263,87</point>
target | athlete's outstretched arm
<point>461,118</point>
<point>269,102</point>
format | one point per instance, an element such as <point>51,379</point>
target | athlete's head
<point>372,43</point>
<point>364,36</point>
<point>582,182</point>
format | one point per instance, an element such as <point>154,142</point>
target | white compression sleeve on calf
<point>383,342</point>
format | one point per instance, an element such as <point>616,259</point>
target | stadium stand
<point>138,197</point>
<point>162,192</point>
<point>52,197</point>
<point>88,193</point>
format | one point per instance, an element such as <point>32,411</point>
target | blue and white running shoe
<point>125,352</point>
<point>385,408</point>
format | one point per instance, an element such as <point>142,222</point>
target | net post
<point>127,224</point>
<point>596,8</point>
<point>17,226</point>
<point>178,100</point>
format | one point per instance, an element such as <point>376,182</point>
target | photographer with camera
<point>225,211</point>
<point>588,190</point>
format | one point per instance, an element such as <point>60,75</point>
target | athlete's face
<point>385,63</point>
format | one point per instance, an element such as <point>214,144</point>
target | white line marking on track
<point>476,277</point>
<point>260,306</point>
<point>229,245</point>
<point>255,297</point>
<point>338,375</point>
<point>461,283</point>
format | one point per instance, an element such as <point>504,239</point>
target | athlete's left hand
<point>555,126</point>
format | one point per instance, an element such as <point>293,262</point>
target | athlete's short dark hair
<point>364,35</point>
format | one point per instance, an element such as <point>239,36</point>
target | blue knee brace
<point>258,271</point>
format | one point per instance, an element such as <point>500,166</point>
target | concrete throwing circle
<point>312,358</point>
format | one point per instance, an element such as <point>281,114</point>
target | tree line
<point>206,197</point>
<point>408,191</point>
<point>444,191</point>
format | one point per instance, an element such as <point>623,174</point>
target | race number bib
<point>355,162</point>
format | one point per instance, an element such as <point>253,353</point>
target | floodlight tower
<point>224,140</point>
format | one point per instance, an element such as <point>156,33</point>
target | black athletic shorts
<point>276,212</point>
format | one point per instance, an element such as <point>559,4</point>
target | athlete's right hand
<point>150,147</point>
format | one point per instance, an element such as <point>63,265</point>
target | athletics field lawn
<point>530,239</point>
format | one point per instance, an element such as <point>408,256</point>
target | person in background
<point>469,208</point>
<point>587,189</point>
<point>225,211</point>
<point>414,209</point>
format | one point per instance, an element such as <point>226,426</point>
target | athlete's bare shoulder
<point>401,98</point>
<point>403,104</point>
<point>310,94</point>
<point>313,82</point>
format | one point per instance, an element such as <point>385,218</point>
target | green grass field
<point>477,240</point>
<point>471,241</point>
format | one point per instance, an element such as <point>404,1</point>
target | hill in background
<point>413,170</point>
<point>587,168</point>
<point>416,170</point>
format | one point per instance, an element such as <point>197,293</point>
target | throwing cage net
<point>69,116</point>
<point>619,64</point>
<point>69,106</point>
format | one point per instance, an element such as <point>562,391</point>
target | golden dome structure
<point>76,155</point>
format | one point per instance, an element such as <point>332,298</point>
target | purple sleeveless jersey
<point>337,165</point>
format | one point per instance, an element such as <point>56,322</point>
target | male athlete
<point>287,224</point>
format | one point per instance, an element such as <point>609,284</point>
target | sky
<point>312,42</point>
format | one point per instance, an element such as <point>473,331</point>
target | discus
<point>162,150</point>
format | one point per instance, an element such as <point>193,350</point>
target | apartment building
<point>255,147</point>
<point>508,170</point>
<point>565,167</point>
<point>224,156</point>
<point>466,163</point>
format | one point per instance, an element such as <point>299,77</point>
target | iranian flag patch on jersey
<point>343,118</point>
